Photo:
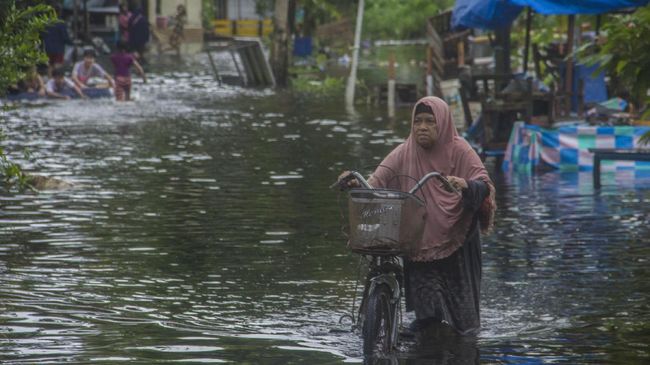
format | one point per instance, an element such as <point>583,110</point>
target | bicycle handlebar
<point>342,183</point>
<point>446,184</point>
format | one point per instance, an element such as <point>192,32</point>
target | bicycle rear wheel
<point>378,322</point>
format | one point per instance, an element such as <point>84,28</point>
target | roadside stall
<point>519,112</point>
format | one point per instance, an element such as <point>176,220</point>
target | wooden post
<point>217,76</point>
<point>537,61</point>
<point>391,86</point>
<point>280,46</point>
<point>568,82</point>
<point>243,80</point>
<point>75,28</point>
<point>352,79</point>
<point>460,47</point>
<point>502,51</point>
<point>86,21</point>
<point>529,18</point>
<point>429,71</point>
<point>596,171</point>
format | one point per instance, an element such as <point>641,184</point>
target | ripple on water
<point>149,260</point>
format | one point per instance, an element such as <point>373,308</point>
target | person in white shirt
<point>84,70</point>
<point>61,87</point>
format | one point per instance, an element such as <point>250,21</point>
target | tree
<point>625,54</point>
<point>20,39</point>
<point>280,40</point>
<point>398,19</point>
<point>20,30</point>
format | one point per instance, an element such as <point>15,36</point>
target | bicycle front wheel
<point>378,322</point>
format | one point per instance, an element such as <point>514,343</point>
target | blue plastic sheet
<point>302,46</point>
<point>492,14</point>
<point>485,14</point>
<point>558,7</point>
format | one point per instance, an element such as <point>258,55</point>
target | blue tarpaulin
<point>484,14</point>
<point>564,7</point>
<point>491,14</point>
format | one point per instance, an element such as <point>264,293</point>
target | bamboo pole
<point>280,45</point>
<point>529,18</point>
<point>569,63</point>
<point>391,85</point>
<point>352,79</point>
<point>429,70</point>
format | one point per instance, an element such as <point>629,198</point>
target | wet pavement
<point>200,230</point>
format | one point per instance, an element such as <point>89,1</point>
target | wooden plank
<point>438,55</point>
<point>633,154</point>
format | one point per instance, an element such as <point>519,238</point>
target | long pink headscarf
<point>447,220</point>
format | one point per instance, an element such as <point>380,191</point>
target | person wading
<point>443,273</point>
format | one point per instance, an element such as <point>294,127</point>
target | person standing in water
<point>123,21</point>
<point>443,274</point>
<point>179,29</point>
<point>138,28</point>
<point>122,62</point>
<point>55,37</point>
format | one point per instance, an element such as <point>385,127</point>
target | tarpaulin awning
<point>567,148</point>
<point>491,14</point>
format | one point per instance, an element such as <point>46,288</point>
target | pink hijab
<point>447,220</point>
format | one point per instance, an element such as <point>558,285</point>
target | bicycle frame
<point>385,270</point>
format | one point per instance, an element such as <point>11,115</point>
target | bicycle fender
<point>389,280</point>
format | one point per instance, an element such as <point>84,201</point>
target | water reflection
<point>200,230</point>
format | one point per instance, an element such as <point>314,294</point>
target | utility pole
<point>352,80</point>
<point>281,36</point>
<point>391,85</point>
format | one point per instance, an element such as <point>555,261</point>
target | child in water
<point>61,87</point>
<point>84,70</point>
<point>32,83</point>
<point>122,62</point>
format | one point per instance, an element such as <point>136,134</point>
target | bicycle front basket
<point>385,221</point>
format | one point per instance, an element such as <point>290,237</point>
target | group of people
<point>133,29</point>
<point>85,74</point>
<point>133,37</point>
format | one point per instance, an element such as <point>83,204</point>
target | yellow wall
<point>242,27</point>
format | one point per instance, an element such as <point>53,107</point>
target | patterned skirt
<point>122,88</point>
<point>448,290</point>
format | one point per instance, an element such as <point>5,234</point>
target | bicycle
<point>385,225</point>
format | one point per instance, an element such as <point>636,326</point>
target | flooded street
<point>200,229</point>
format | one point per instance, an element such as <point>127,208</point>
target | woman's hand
<point>457,182</point>
<point>353,183</point>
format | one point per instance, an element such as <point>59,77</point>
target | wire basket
<point>385,222</point>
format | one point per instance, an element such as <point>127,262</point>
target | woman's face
<point>425,130</point>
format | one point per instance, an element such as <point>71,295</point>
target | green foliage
<point>329,87</point>
<point>398,19</point>
<point>645,139</point>
<point>208,14</point>
<point>318,12</point>
<point>625,53</point>
<point>20,30</point>
<point>10,172</point>
<point>262,7</point>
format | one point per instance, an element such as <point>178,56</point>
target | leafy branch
<point>20,49</point>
